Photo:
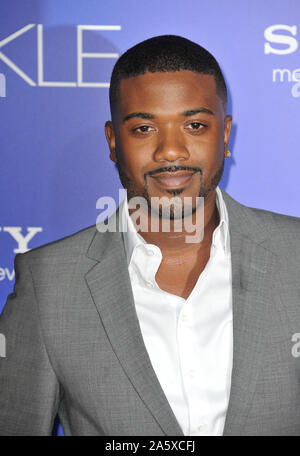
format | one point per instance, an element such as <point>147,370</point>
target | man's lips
<point>173,179</point>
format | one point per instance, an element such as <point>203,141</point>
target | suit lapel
<point>253,269</point>
<point>111,291</point>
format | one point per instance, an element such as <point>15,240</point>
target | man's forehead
<point>168,88</point>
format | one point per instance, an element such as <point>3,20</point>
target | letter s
<point>291,42</point>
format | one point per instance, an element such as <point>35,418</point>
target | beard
<point>205,189</point>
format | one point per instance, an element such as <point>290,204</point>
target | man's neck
<point>172,243</point>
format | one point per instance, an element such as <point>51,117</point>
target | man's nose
<point>171,148</point>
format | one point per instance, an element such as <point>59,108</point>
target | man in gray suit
<point>133,331</point>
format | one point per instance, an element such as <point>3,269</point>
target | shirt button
<point>192,373</point>
<point>184,317</point>
<point>200,427</point>
<point>150,252</point>
<point>149,284</point>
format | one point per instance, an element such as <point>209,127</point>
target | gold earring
<point>228,154</point>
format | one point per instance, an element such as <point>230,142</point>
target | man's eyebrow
<point>142,115</point>
<point>191,112</point>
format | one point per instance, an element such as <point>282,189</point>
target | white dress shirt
<point>189,341</point>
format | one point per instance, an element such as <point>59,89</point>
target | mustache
<point>172,169</point>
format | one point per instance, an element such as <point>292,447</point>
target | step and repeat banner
<point>56,58</point>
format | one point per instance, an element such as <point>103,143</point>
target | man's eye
<point>143,129</point>
<point>195,126</point>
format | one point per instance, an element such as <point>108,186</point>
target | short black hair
<point>165,53</point>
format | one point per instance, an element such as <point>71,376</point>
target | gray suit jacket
<point>74,344</point>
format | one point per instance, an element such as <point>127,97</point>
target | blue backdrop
<point>56,58</point>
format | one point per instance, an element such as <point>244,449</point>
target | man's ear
<point>227,129</point>
<point>111,140</point>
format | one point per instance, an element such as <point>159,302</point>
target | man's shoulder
<point>67,248</point>
<point>267,220</point>
<point>277,232</point>
<point>282,232</point>
<point>277,221</point>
